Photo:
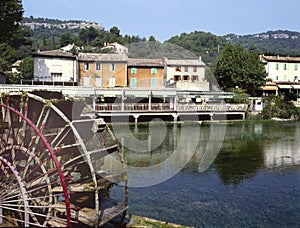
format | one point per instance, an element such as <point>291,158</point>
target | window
<point>284,66</point>
<point>56,76</point>
<point>277,66</point>
<point>296,66</point>
<point>86,81</point>
<point>277,78</point>
<point>133,70</point>
<point>98,82</point>
<point>178,68</point>
<point>112,81</point>
<point>133,82</point>
<point>153,82</point>
<point>284,78</point>
<point>112,67</point>
<point>186,77</point>
<point>177,78</point>
<point>153,70</point>
<point>195,78</point>
<point>98,66</point>
<point>186,69</point>
<point>194,69</point>
<point>86,66</point>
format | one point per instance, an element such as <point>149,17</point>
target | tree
<point>152,38</point>
<point>115,31</point>
<point>25,71</point>
<point>65,39</point>
<point>238,68</point>
<point>11,13</point>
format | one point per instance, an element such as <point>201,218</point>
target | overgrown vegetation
<point>279,107</point>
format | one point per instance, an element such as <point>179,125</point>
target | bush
<point>279,107</point>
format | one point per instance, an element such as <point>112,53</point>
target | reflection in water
<point>254,180</point>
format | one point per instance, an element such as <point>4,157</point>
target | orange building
<point>102,70</point>
<point>145,73</point>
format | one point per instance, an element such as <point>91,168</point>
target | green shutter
<point>153,70</point>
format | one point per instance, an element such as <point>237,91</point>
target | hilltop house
<point>145,73</point>
<point>102,70</point>
<point>55,66</point>
<point>186,74</point>
<point>283,73</point>
<point>115,47</point>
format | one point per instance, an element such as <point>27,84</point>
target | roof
<point>184,62</point>
<point>278,58</point>
<point>17,63</point>
<point>94,57</point>
<point>145,63</point>
<point>54,53</point>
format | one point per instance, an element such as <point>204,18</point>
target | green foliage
<point>240,96</point>
<point>202,44</point>
<point>11,13</point>
<point>237,67</point>
<point>26,69</point>
<point>7,54</point>
<point>65,39</point>
<point>270,43</point>
<point>279,107</point>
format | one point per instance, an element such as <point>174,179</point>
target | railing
<point>164,107</point>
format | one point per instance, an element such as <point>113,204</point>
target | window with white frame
<point>112,67</point>
<point>86,66</point>
<point>98,66</point>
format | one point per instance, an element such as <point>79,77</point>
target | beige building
<point>145,73</point>
<point>102,70</point>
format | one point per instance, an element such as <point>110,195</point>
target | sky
<point>167,18</point>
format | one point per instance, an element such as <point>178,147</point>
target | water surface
<point>253,180</point>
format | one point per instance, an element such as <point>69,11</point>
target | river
<point>214,175</point>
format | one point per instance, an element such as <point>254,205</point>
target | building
<point>14,67</point>
<point>115,47</point>
<point>145,73</point>
<point>283,73</point>
<point>102,70</point>
<point>55,66</point>
<point>186,74</point>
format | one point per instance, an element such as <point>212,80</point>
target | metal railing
<point>165,107</point>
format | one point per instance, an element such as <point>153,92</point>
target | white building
<point>55,66</point>
<point>187,74</point>
<point>282,69</point>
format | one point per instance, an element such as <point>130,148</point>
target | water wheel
<point>50,163</point>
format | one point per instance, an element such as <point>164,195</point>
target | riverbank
<point>144,222</point>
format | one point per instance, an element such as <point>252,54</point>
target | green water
<point>237,175</point>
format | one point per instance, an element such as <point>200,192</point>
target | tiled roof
<point>92,57</point>
<point>278,58</point>
<point>184,62</point>
<point>54,53</point>
<point>145,62</point>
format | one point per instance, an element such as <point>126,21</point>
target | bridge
<point>129,103</point>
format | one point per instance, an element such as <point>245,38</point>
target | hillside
<point>272,42</point>
<point>44,28</point>
<point>200,43</point>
